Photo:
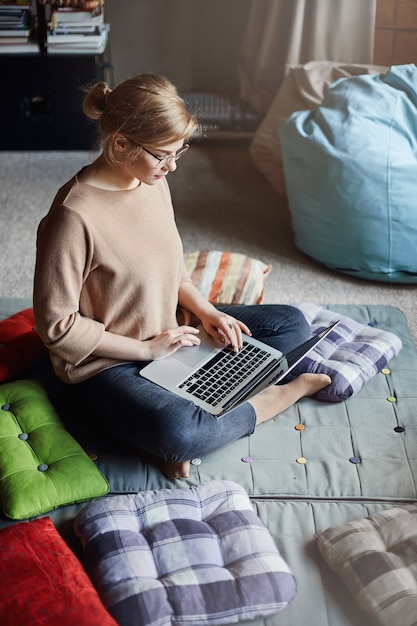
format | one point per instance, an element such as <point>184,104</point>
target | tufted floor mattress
<point>313,467</point>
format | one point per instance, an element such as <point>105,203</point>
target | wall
<point>194,43</point>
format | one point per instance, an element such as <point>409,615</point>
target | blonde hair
<point>146,109</point>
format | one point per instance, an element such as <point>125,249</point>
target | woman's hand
<point>168,342</point>
<point>225,328</point>
<point>220,325</point>
<point>122,348</point>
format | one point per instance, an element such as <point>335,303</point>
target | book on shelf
<point>12,4</point>
<point>74,29</point>
<point>15,22</point>
<point>16,33</point>
<point>14,16</point>
<point>64,22</point>
<point>78,42</point>
<point>77,28</point>
<point>17,46</point>
<point>90,5</point>
<point>94,37</point>
<point>69,16</point>
<point>75,49</point>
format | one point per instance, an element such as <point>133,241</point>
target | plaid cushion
<point>196,556</point>
<point>376,558</point>
<point>351,354</point>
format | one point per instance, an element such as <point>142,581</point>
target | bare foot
<point>180,469</point>
<point>277,398</point>
<point>312,383</point>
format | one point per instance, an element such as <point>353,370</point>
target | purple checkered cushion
<point>186,556</point>
<point>351,354</point>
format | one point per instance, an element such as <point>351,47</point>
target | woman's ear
<point>120,143</point>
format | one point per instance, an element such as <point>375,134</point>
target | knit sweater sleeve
<point>64,259</point>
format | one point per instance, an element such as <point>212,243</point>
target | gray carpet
<point>221,202</point>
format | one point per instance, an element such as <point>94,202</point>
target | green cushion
<point>42,467</point>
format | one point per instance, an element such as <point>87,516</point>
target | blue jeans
<point>143,415</point>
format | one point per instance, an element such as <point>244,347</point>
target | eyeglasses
<point>166,158</point>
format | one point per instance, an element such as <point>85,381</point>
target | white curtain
<point>282,33</point>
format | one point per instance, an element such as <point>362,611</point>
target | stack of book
<point>77,29</point>
<point>15,22</point>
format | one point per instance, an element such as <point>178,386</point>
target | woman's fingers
<point>170,341</point>
<point>231,330</point>
<point>185,336</point>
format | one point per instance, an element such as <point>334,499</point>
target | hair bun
<point>95,101</point>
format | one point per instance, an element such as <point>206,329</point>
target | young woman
<point>111,291</point>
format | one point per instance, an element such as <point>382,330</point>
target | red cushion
<point>42,582</point>
<point>20,344</point>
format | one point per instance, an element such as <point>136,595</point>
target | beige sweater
<point>106,260</point>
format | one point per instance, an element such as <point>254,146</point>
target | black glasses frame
<point>167,158</point>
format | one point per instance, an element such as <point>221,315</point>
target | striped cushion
<point>227,277</point>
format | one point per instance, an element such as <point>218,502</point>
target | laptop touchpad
<point>192,355</point>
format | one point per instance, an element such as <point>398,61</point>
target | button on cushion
<point>42,467</point>
<point>184,556</point>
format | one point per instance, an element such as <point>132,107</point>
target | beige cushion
<point>303,88</point>
<point>376,557</point>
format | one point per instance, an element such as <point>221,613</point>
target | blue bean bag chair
<point>351,174</point>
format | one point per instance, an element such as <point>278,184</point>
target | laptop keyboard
<point>217,378</point>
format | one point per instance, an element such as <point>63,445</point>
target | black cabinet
<point>40,106</point>
<point>41,95</point>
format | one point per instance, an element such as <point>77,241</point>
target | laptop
<point>216,378</point>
